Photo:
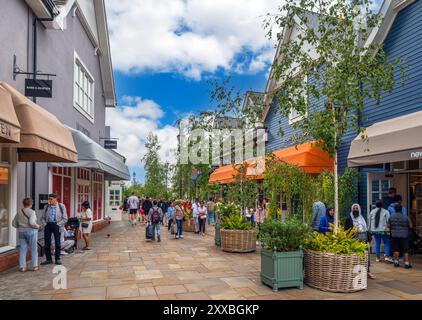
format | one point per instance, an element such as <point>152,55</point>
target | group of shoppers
<point>54,223</point>
<point>387,223</point>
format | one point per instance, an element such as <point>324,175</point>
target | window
<point>294,115</point>
<point>83,187</point>
<point>97,205</point>
<point>62,186</point>
<point>84,90</point>
<point>379,190</point>
<point>115,198</point>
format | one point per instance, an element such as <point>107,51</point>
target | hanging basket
<point>241,241</point>
<point>336,272</point>
<point>189,225</point>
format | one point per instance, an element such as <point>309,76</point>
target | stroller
<point>72,228</point>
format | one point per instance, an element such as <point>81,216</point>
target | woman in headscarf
<point>357,221</point>
<point>326,221</point>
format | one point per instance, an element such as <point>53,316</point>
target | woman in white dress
<point>86,224</point>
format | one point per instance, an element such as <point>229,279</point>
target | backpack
<point>155,217</point>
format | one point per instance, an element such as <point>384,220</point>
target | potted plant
<point>281,254</point>
<point>237,234</point>
<point>336,262</point>
<point>223,211</point>
<point>189,224</point>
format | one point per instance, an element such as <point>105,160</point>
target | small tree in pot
<point>281,254</point>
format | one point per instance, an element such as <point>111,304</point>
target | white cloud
<point>133,122</point>
<point>190,37</point>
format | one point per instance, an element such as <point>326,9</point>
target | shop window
<point>83,187</point>
<point>114,198</point>
<point>379,190</point>
<point>4,206</point>
<point>62,186</point>
<point>84,89</point>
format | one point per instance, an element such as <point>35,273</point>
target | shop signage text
<point>5,130</point>
<point>38,88</point>
<point>110,144</point>
<point>416,155</point>
<point>43,201</point>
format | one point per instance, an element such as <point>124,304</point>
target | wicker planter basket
<point>241,241</point>
<point>189,225</point>
<point>335,273</point>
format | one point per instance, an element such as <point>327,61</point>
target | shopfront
<point>88,180</point>
<point>391,156</point>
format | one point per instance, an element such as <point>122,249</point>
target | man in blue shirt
<point>392,207</point>
<point>54,219</point>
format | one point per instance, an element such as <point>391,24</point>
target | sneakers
<point>396,264</point>
<point>387,260</point>
<point>63,253</point>
<point>377,259</point>
<point>47,262</point>
<point>408,266</point>
<point>159,239</point>
<point>58,262</point>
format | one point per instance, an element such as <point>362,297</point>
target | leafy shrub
<point>344,242</point>
<point>287,236</point>
<point>188,213</point>
<point>227,210</point>
<point>236,222</point>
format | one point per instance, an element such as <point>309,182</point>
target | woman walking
<point>378,227</point>
<point>26,223</point>
<point>178,219</point>
<point>86,224</point>
<point>203,212</point>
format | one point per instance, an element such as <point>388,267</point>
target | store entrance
<point>415,199</point>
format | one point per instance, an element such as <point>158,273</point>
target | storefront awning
<point>43,138</point>
<point>398,139</point>
<point>9,124</point>
<point>93,156</point>
<point>311,158</point>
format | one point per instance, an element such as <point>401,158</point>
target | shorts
<point>401,245</point>
<point>133,211</point>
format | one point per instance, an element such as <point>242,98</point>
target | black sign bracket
<point>18,71</point>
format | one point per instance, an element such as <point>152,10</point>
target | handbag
<point>85,225</point>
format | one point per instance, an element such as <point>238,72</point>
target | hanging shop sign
<point>38,88</point>
<point>110,144</point>
<point>43,201</point>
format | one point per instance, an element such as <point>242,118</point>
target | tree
<point>155,177</point>
<point>327,63</point>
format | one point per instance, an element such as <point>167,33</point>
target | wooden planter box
<point>241,241</point>
<point>217,236</point>
<point>336,273</point>
<point>282,269</point>
<point>189,225</point>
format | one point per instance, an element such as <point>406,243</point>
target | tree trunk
<point>336,204</point>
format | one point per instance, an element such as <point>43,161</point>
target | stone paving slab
<point>125,266</point>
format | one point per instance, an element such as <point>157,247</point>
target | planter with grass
<point>281,254</point>
<point>222,211</point>
<point>237,234</point>
<point>336,263</point>
<point>189,223</point>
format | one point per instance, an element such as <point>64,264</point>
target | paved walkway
<point>124,266</point>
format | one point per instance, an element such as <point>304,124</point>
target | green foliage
<point>236,222</point>
<point>344,242</point>
<point>297,187</point>
<point>286,236</point>
<point>155,177</point>
<point>227,210</point>
<point>138,189</point>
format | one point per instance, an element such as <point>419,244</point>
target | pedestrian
<point>248,214</point>
<point>26,223</point>
<point>318,211</point>
<point>398,199</point>
<point>195,215</point>
<point>147,205</point>
<point>53,219</point>
<point>203,212</point>
<point>211,212</point>
<point>170,215</point>
<point>378,227</point>
<point>67,242</point>
<point>326,221</point>
<point>155,216</point>
<point>355,220</point>
<point>390,198</point>
<point>125,206</point>
<point>260,215</point>
<point>178,218</point>
<point>85,226</point>
<point>400,226</point>
<point>133,203</point>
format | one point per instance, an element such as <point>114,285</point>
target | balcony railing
<point>51,7</point>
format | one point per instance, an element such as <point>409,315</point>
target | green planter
<point>282,269</point>
<point>217,236</point>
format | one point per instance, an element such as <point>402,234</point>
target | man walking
<point>147,205</point>
<point>211,212</point>
<point>400,226</point>
<point>195,215</point>
<point>155,216</point>
<point>133,203</point>
<point>54,219</point>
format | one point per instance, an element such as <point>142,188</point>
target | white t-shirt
<point>195,210</point>
<point>133,202</point>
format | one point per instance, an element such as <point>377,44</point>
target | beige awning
<point>398,139</point>
<point>43,138</point>
<point>9,124</point>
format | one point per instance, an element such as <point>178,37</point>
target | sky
<point>164,52</point>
